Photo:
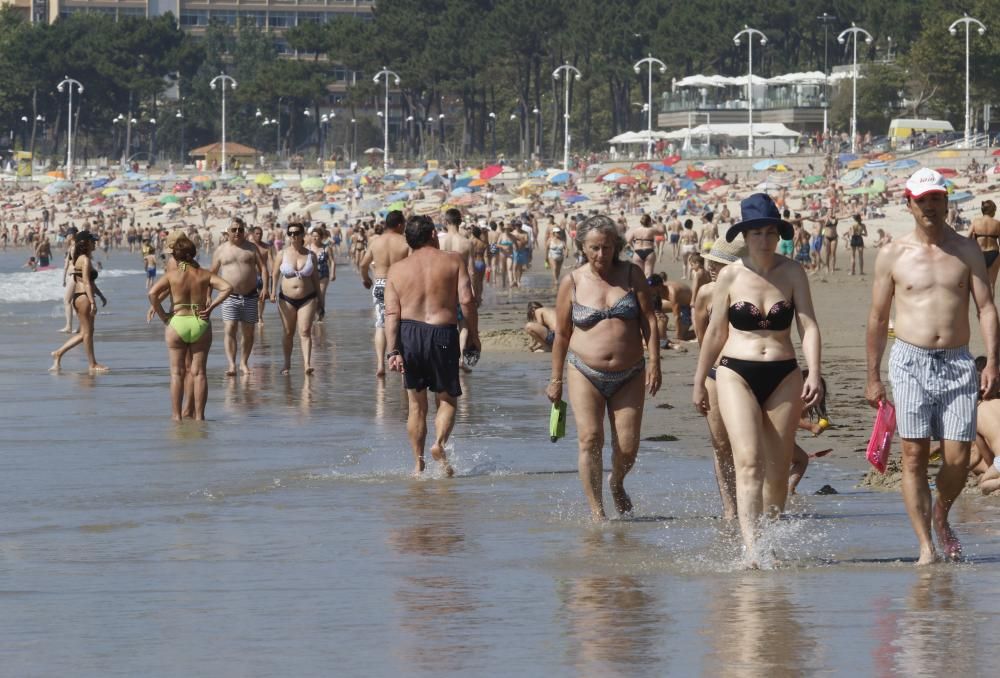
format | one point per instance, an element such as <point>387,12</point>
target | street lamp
<point>232,84</point>
<point>750,33</point>
<point>152,141</point>
<point>536,148</point>
<point>385,72</point>
<point>69,124</point>
<point>826,20</point>
<point>953,29</point>
<point>180,117</point>
<point>649,60</point>
<point>854,31</point>
<point>493,132</point>
<point>354,142</point>
<point>577,75</point>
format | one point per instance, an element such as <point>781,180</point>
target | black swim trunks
<point>430,356</point>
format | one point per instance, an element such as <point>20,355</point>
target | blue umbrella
<point>876,164</point>
<point>332,206</point>
<point>430,177</point>
<point>689,185</point>
<point>402,195</point>
<point>660,167</point>
<point>278,184</point>
<point>905,164</point>
<point>538,173</point>
<point>100,182</point>
<point>845,158</point>
<point>409,185</point>
<point>461,190</point>
<point>853,177</point>
<point>560,178</point>
<point>960,196</point>
<point>547,195</point>
<point>765,164</point>
<point>149,188</point>
<point>576,198</point>
<point>463,182</point>
<point>393,177</point>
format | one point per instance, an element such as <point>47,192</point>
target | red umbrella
<point>671,160</point>
<point>490,172</point>
<point>996,152</point>
<point>712,183</point>
<point>643,167</point>
<point>696,174</point>
<point>947,172</point>
<point>627,180</point>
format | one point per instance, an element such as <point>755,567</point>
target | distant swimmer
<point>383,251</point>
<point>189,333</point>
<point>423,294</point>
<point>929,276</point>
<point>84,290</point>
<point>239,262</point>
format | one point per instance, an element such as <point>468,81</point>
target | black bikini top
<point>746,317</point>
<point>77,273</point>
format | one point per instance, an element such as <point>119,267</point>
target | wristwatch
<point>391,354</point>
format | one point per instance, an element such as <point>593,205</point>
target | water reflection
<point>614,621</point>
<point>936,630</point>
<point>440,617</point>
<point>755,629</point>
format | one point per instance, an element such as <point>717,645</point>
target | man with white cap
<point>929,275</point>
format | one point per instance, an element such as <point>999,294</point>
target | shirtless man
<point>689,244</point>
<point>383,251</point>
<point>239,262</point>
<point>452,240</point>
<point>674,235</point>
<point>678,299</point>
<point>986,231</point>
<point>257,238</point>
<point>541,326</point>
<point>422,295</point>
<point>642,240</point>
<point>929,276</point>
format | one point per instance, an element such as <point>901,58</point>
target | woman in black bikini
<point>986,231</point>
<point>84,290</point>
<point>603,315</point>
<point>296,277</point>
<point>858,232</point>
<point>760,386</point>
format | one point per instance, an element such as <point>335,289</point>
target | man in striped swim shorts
<point>239,262</point>
<point>930,275</point>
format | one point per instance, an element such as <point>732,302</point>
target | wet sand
<point>285,536</point>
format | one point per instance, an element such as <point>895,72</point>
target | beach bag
<point>882,432</point>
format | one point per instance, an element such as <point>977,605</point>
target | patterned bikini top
<point>625,308</point>
<point>746,317</point>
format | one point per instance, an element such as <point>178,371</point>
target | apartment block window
<point>224,16</point>
<point>194,17</point>
<point>253,18</point>
<point>281,20</point>
<point>311,18</point>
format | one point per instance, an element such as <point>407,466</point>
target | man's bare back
<point>383,251</point>
<point>430,285</point>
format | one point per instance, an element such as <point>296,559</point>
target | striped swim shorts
<point>241,307</point>
<point>935,391</point>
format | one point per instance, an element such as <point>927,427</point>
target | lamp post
<point>855,32</point>
<point>180,117</point>
<point>152,141</point>
<point>826,20</point>
<point>325,120</point>
<point>385,72</point>
<point>749,33</point>
<point>556,74</point>
<point>354,142</point>
<point>536,148</point>
<point>953,29</point>
<point>232,84</point>
<point>649,60</point>
<point>69,123</point>
<point>493,134</point>
<point>409,136</point>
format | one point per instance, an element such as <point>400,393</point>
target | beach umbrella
<point>490,171</point>
<point>576,198</point>
<point>331,188</point>
<point>236,181</point>
<point>905,164</point>
<point>765,164</point>
<point>100,182</point>
<point>949,153</point>
<point>462,182</point>
<point>993,170</point>
<point>393,177</point>
<point>845,158</point>
<point>169,198</point>
<point>426,208</point>
<point>57,174</point>
<point>875,164</point>
<point>538,174</point>
<point>278,185</point>
<point>203,179</point>
<point>401,195</point>
<point>856,163</point>
<point>312,184</point>
<point>477,183</point>
<point>611,177</point>
<point>660,167</point>
<point>97,201</point>
<point>430,178</point>
<point>689,185</point>
<point>643,167</point>
<point>947,172</point>
<point>627,180</point>
<point>332,207</point>
<point>263,180</point>
<point>695,174</point>
<point>560,178</point>
<point>671,160</point>
<point>960,196</point>
<point>853,177</point>
<point>461,190</point>
<point>549,195</point>
<point>768,186</point>
<point>712,183</point>
<point>812,179</point>
<point>780,168</point>
<point>398,205</point>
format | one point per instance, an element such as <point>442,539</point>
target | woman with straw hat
<point>721,255</point>
<point>760,385</point>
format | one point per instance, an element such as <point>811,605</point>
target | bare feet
<point>927,557</point>
<point>245,369</point>
<point>56,359</point>
<point>309,370</point>
<point>437,451</point>
<point>285,371</point>
<point>380,372</point>
<point>231,371</point>
<point>66,330</point>
<point>98,367</point>
<point>950,544</point>
<point>419,468</point>
<point>623,504</point>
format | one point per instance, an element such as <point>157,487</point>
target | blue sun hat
<point>756,211</point>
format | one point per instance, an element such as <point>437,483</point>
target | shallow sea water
<point>285,537</point>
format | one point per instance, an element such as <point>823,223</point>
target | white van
<point>901,129</point>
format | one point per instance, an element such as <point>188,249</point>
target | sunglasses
<point>238,229</point>
<point>294,234</point>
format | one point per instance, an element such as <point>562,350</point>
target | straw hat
<point>724,252</point>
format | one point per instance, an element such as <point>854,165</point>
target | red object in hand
<point>882,432</point>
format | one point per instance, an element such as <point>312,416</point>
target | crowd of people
<point>745,283</point>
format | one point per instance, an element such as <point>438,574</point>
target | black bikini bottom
<point>761,376</point>
<point>990,256</point>
<point>643,254</point>
<point>297,303</point>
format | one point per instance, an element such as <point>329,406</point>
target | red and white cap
<point>925,181</point>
